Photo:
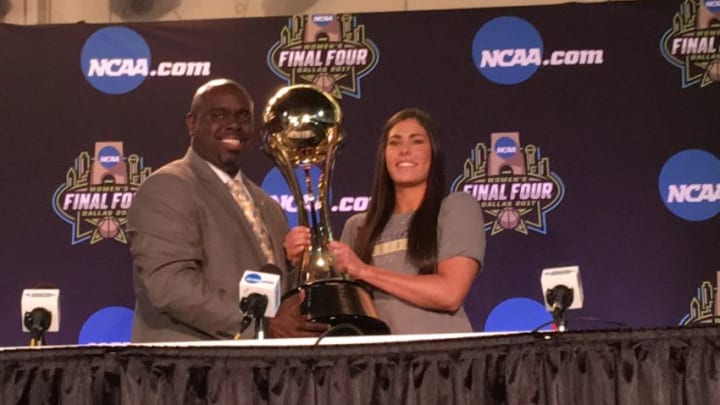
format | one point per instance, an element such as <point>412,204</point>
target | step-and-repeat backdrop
<point>589,134</point>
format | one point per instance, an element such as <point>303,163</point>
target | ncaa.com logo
<point>509,50</point>
<point>116,60</point>
<point>689,185</point>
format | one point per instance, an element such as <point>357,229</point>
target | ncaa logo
<point>115,60</point>
<point>712,5</point>
<point>689,185</point>
<point>109,157</point>
<point>323,19</point>
<point>505,148</point>
<point>507,50</point>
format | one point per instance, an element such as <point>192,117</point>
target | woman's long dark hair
<point>422,247</point>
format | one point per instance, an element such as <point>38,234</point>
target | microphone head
<point>264,282</point>
<point>270,269</point>
<point>40,304</point>
<point>44,285</point>
<point>560,297</point>
<point>569,277</point>
<point>37,321</point>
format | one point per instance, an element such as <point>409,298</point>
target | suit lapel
<point>215,188</point>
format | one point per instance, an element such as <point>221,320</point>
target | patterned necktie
<point>240,193</point>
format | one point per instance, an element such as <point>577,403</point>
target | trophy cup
<point>302,129</point>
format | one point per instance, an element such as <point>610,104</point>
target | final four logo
<point>513,184</point>
<point>327,50</point>
<point>97,192</point>
<point>704,308</point>
<point>693,42</point>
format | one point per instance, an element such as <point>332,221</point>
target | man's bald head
<point>202,91</point>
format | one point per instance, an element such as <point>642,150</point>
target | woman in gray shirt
<point>418,248</point>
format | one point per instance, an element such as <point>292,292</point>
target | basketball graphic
<point>325,82</point>
<point>713,70</point>
<point>509,218</point>
<point>108,227</point>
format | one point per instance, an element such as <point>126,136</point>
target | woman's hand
<point>296,243</point>
<point>347,261</point>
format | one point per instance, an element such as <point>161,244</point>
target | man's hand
<point>289,322</point>
<point>297,241</point>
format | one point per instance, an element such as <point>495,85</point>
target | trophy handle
<point>329,167</point>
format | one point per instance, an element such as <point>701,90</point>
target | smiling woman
<point>414,245</point>
<point>408,155</point>
<point>409,179</point>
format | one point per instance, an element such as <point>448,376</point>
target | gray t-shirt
<point>460,233</point>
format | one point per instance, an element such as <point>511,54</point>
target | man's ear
<point>190,123</point>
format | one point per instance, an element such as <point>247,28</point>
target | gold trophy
<point>302,129</point>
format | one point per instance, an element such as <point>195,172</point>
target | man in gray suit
<point>191,242</point>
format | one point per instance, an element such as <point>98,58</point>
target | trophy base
<point>341,302</point>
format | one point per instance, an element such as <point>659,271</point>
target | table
<point>655,366</point>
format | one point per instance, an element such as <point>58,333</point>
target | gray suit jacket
<point>190,245</point>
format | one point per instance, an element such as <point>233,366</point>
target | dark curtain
<point>659,367</point>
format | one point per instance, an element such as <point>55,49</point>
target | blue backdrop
<point>588,133</point>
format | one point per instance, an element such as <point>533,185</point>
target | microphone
<point>40,313</point>
<point>259,297</point>
<point>562,289</point>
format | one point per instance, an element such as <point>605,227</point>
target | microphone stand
<point>560,321</point>
<point>254,307</point>
<point>260,327</point>
<point>37,339</point>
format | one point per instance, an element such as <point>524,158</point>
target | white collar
<point>224,177</point>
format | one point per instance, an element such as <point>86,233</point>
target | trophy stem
<point>316,232</point>
<point>310,192</point>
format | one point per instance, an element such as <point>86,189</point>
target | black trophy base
<point>346,305</point>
